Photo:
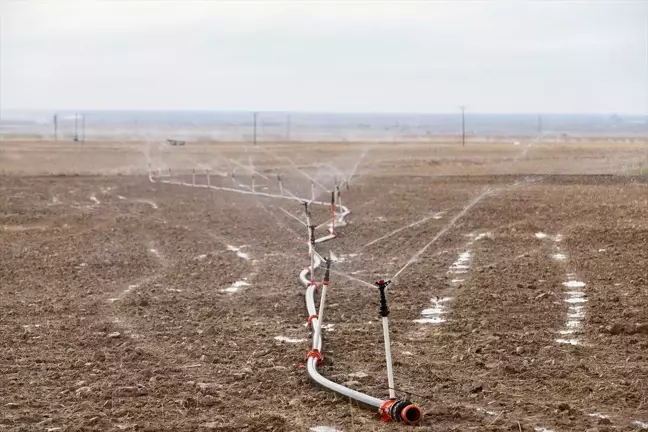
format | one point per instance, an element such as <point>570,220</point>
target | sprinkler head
<point>327,272</point>
<point>384,309</point>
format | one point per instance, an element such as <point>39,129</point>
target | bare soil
<point>116,313</point>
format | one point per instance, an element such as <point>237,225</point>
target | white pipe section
<point>390,370</point>
<point>320,314</point>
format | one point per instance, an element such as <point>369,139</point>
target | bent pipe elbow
<point>391,410</point>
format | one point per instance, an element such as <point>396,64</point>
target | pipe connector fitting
<point>400,410</point>
<point>317,355</point>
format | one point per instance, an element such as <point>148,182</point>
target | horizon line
<point>288,112</point>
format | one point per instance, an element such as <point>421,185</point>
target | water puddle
<point>575,311</point>
<point>598,415</point>
<point>462,264</point>
<point>124,293</point>
<point>149,202</point>
<point>434,314</point>
<point>238,251</point>
<point>328,327</point>
<point>641,425</point>
<point>156,253</point>
<point>235,287</point>
<point>289,340</point>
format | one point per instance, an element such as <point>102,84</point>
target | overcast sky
<point>369,56</point>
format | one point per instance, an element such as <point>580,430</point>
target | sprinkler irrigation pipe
<point>281,191</point>
<point>320,315</point>
<point>384,313</point>
<point>389,410</point>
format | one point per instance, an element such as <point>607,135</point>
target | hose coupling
<point>400,410</point>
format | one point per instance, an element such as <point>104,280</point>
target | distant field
<point>133,304</point>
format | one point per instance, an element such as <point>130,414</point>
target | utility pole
<point>76,127</point>
<point>254,136</point>
<point>463,125</point>
<point>288,128</point>
<point>83,136</point>
<point>55,127</point>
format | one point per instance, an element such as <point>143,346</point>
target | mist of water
<point>445,229</point>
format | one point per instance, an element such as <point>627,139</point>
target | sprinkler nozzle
<point>327,272</point>
<point>384,309</point>
<point>312,234</point>
<point>333,198</point>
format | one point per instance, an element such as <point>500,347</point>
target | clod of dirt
<point>604,421</point>
<point>358,375</point>
<point>564,406</point>
<point>519,350</point>
<point>641,328</point>
<point>209,331</point>
<point>83,391</point>
<point>130,391</point>
<point>352,383</point>
<point>99,356</point>
<point>114,335</point>
<point>189,403</point>
<point>616,329</point>
<point>209,388</point>
<point>477,389</point>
